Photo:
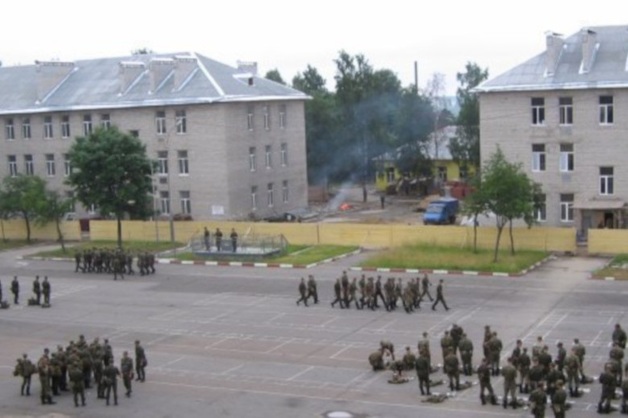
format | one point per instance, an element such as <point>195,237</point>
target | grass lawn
<point>15,243</point>
<point>452,258</point>
<point>617,268</point>
<point>134,246</point>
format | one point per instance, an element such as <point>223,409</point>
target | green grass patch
<point>421,256</point>
<point>617,268</point>
<point>134,246</point>
<point>14,243</point>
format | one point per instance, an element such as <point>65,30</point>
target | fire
<point>344,206</point>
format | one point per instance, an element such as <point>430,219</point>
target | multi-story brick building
<point>563,115</point>
<point>228,144</point>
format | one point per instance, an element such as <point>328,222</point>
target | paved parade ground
<point>231,342</point>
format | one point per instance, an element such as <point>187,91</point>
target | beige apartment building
<point>563,115</point>
<point>228,144</point>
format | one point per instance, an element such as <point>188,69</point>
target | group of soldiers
<point>113,261</point>
<point>43,288</point>
<point>363,292</point>
<point>79,366</point>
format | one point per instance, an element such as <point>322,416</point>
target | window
<point>26,128</point>
<point>249,118</point>
<point>180,122</point>
<point>538,111</point>
<point>540,209</point>
<point>50,165</point>
<point>186,204</point>
<point>266,113</point>
<point>164,202</point>
<point>284,154</point>
<point>184,165</point>
<point>87,124</point>
<point>9,129</point>
<point>29,169</point>
<point>252,162</point>
<point>48,134</point>
<point>282,116</point>
<point>253,197</point>
<point>69,195</point>
<point>269,159</point>
<point>160,121</point>
<point>284,191</point>
<point>162,163</point>
<point>270,195</point>
<point>565,111</point>
<point>134,133</point>
<point>65,126</point>
<point>566,207</point>
<point>606,180</point>
<point>12,165</point>
<point>105,120</point>
<point>606,110</point>
<point>67,166</point>
<point>566,157</point>
<point>538,157</point>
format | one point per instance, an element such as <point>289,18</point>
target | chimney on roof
<point>554,46</point>
<point>589,48</point>
<point>50,74</point>
<point>128,73</point>
<point>184,67</point>
<point>159,69</point>
<point>248,69</point>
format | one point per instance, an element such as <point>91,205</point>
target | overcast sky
<point>442,36</point>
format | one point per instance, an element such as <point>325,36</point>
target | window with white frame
<point>269,156</point>
<point>252,160</point>
<point>180,122</point>
<point>606,180</point>
<point>160,122</point>
<point>184,163</point>
<point>69,195</point>
<point>538,157</point>
<point>284,191</point>
<point>162,163</point>
<point>50,165</point>
<point>270,194</point>
<point>249,117</point>
<point>48,133</point>
<point>105,120</point>
<point>538,111</point>
<point>567,160</point>
<point>266,114</point>
<point>540,208</point>
<point>67,165</point>
<point>29,167</point>
<point>9,129</point>
<point>253,197</point>
<point>606,110</point>
<point>186,203</point>
<point>164,202</point>
<point>12,160</point>
<point>87,125</point>
<point>284,154</point>
<point>26,128</point>
<point>565,111</point>
<point>65,126</point>
<point>282,116</point>
<point>566,207</point>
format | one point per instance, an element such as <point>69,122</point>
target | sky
<point>441,36</point>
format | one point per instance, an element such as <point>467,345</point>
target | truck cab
<point>441,212</point>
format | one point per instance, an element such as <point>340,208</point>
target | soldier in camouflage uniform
<point>559,400</point>
<point>409,359</point>
<point>24,368</point>
<point>312,289</point>
<point>43,368</point>
<point>495,346</point>
<point>126,368</point>
<point>77,382</point>
<point>608,382</point>
<point>580,353</point>
<point>446,343</point>
<point>466,354</point>
<point>451,367</point>
<point>376,360</point>
<point>353,288</point>
<point>110,378</point>
<point>423,368</point>
<point>424,347</point>
<point>484,375</point>
<point>617,354</point>
<point>510,385</point>
<point>572,367</point>
<point>55,373</point>
<point>538,400</point>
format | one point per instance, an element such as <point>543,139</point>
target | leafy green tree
<point>52,209</point>
<point>310,82</point>
<point>475,204</point>
<point>23,196</point>
<point>275,76</point>
<point>111,171</point>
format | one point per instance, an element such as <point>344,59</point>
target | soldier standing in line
<point>362,287</point>
<point>206,239</point>
<point>43,369</point>
<point>77,262</point>
<point>510,385</point>
<point>423,368</point>
<point>218,238</point>
<point>369,292</point>
<point>129,263</point>
<point>608,382</point>
<point>446,343</point>
<point>140,361</point>
<point>344,283</point>
<point>439,296</point>
<point>538,400</point>
<point>580,353</point>
<point>559,400</point>
<point>409,359</point>
<point>234,240</point>
<point>452,368</point>
<point>561,355</point>
<point>484,375</point>
<point>15,289</point>
<point>617,354</point>
<point>524,363</point>
<point>45,286</point>
<point>495,345</point>
<point>312,290</point>
<point>37,290</point>
<point>126,368</point>
<point>456,334</point>
<point>110,374</point>
<point>378,293</point>
<point>302,292</point>
<point>78,385</point>
<point>425,286</point>
<point>353,289</point>
<point>24,368</point>
<point>619,336</point>
<point>572,366</point>
<point>466,354</point>
<point>424,348</point>
<point>338,293</point>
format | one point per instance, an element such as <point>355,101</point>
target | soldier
<point>312,290</point>
<point>580,353</point>
<point>524,371</point>
<point>545,359</point>
<point>302,292</point>
<point>46,289</point>
<point>561,355</point>
<point>387,346</point>
<point>338,293</point>
<point>77,262</point>
<point>424,347</point>
<point>484,375</point>
<point>416,292</point>
<point>510,385</point>
<point>378,293</point>
<point>206,239</point>
<point>218,238</point>
<point>408,298</point>
<point>425,287</point>
<point>538,400</point>
<point>362,287</point>
<point>78,383</point>
<point>15,289</point>
<point>466,355</point>
<point>423,368</point>
<point>43,369</point>
<point>37,290</point>
<point>24,368</point>
<point>234,240</point>
<point>553,377</point>
<point>369,290</point>
<point>118,263</point>
<point>572,366</point>
<point>456,334</point>
<point>86,362</point>
<point>409,359</point>
<point>488,334</point>
<point>376,360</point>
<point>353,288</point>
<point>452,368</point>
<point>97,353</point>
<point>495,346</point>
<point>446,343</point>
<point>110,376</point>
<point>151,262</point>
<point>140,361</point>
<point>608,382</point>
<point>559,400</point>
<point>536,373</point>
<point>129,263</point>
<point>538,347</point>
<point>617,354</point>
<point>439,296</point>
<point>344,283</point>
<point>126,368</point>
<point>619,336</point>
<point>55,373</point>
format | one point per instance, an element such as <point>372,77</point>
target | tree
<point>310,82</point>
<point>275,76</point>
<point>23,195</point>
<point>475,205</point>
<point>52,209</point>
<point>111,170</point>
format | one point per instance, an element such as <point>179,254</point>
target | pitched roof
<point>98,83</point>
<point>595,57</point>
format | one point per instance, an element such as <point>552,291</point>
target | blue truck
<point>441,212</point>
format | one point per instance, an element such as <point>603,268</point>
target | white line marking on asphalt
<point>278,346</point>
<point>593,342</point>
<point>340,351</point>
<point>233,369</point>
<point>300,373</point>
<point>553,327</point>
<point>171,362</point>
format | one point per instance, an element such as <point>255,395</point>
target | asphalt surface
<point>231,342</point>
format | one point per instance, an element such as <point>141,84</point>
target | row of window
<point>266,117</point>
<point>565,110</point>
<point>270,195</point>
<point>566,162</point>
<point>29,165</point>
<point>268,156</point>
<point>185,202</point>
<point>566,208</point>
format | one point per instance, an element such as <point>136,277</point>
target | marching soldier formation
<point>80,364</point>
<point>113,261</point>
